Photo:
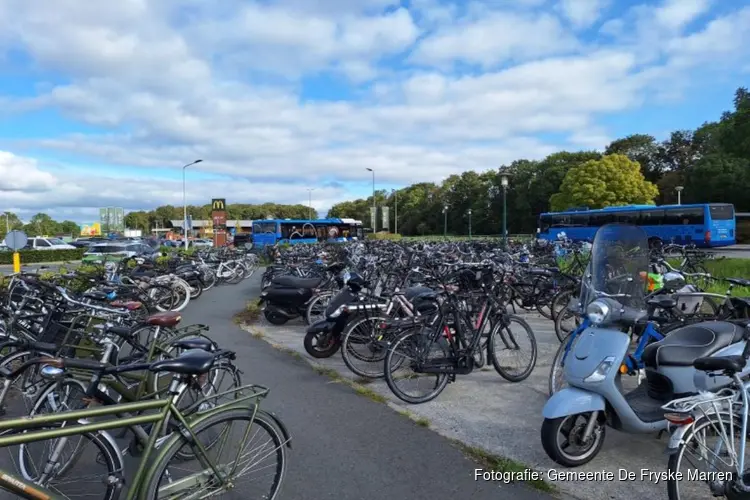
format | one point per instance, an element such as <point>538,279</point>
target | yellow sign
<point>93,229</point>
<point>218,204</point>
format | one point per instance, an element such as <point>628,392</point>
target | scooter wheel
<point>569,429</point>
<point>275,319</point>
<point>320,345</point>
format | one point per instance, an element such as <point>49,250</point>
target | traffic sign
<point>16,240</point>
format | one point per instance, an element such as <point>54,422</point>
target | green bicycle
<point>179,438</point>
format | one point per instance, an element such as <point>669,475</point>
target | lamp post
<point>309,202</point>
<point>184,203</point>
<point>504,183</point>
<point>445,221</point>
<point>469,214</point>
<point>374,206</point>
<point>395,216</point>
<point>679,194</point>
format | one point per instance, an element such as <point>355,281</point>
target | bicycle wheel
<point>407,352</point>
<point>317,307</point>
<point>560,301</point>
<point>361,351</point>
<point>565,322</point>
<point>707,459</point>
<point>510,337</point>
<point>79,479</point>
<point>172,479</point>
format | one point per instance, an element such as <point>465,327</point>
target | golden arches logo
<point>218,205</point>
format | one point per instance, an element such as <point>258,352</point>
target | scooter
<point>288,296</point>
<point>576,417</point>
<point>323,338</point>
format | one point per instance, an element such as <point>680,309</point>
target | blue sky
<point>101,104</point>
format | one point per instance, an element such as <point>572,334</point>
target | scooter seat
<point>295,282</point>
<point>684,345</point>
<point>662,301</point>
<point>413,291</point>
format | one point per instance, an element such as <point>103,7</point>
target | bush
<point>35,256</point>
<point>384,236</point>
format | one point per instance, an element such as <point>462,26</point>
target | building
<point>205,227</point>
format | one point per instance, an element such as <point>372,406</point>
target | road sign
<point>16,240</point>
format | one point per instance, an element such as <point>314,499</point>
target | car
<point>86,242</point>
<point>116,251</point>
<point>40,243</point>
<point>201,243</point>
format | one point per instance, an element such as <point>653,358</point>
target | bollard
<point>16,262</point>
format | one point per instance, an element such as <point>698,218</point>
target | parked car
<point>115,251</point>
<point>39,243</point>
<point>86,242</point>
<point>201,243</point>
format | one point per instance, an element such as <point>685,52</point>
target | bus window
<point>544,223</point>
<point>264,227</point>
<point>291,231</point>
<point>721,212</point>
<point>652,217</point>
<point>682,216</point>
<point>579,220</point>
<point>601,218</point>
<point>628,217</point>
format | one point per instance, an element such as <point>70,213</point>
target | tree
<point>719,178</point>
<point>68,227</point>
<point>611,181</point>
<point>641,148</point>
<point>139,220</point>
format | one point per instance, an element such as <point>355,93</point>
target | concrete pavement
<point>345,446</point>
<point>483,410</point>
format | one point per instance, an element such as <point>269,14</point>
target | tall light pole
<point>679,194</point>
<point>395,216</point>
<point>504,183</point>
<point>309,202</point>
<point>374,206</point>
<point>445,221</point>
<point>469,213</point>
<point>184,203</point>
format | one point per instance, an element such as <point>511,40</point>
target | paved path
<point>345,447</point>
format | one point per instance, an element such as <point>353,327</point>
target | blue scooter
<point>613,293</point>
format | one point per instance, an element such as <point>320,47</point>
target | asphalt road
<point>344,446</point>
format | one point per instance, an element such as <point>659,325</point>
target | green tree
<point>719,178</point>
<point>139,220</point>
<point>68,227</point>
<point>611,181</point>
<point>643,149</point>
<point>42,224</point>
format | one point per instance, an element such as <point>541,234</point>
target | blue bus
<point>298,231</point>
<point>705,224</point>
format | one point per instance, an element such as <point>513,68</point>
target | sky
<point>102,103</point>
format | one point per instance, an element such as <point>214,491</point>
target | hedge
<point>383,236</point>
<point>34,256</point>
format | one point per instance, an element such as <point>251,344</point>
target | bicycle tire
<point>390,367</point>
<point>174,447</point>
<point>502,371</point>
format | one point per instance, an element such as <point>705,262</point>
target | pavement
<point>503,418</point>
<point>344,446</point>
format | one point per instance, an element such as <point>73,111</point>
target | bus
<point>704,224</point>
<point>298,231</point>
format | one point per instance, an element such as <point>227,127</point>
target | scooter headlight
<point>602,370</point>
<point>597,312</point>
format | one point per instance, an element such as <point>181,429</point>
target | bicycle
<point>172,429</point>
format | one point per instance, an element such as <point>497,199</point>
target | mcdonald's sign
<point>218,204</point>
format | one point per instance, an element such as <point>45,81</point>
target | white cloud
<point>582,13</point>
<point>496,38</point>
<point>170,81</point>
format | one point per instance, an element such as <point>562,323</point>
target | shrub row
<point>383,236</point>
<point>34,256</point>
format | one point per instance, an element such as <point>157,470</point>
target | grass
<point>420,421</point>
<point>501,465</point>
<point>250,314</point>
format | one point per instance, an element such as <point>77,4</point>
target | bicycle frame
<point>166,409</point>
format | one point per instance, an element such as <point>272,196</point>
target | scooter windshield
<point>619,266</point>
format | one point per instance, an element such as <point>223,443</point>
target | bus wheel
<point>654,243</point>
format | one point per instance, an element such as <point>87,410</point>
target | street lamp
<point>395,216</point>
<point>184,202</point>
<point>445,221</point>
<point>469,214</point>
<point>679,194</point>
<point>504,184</point>
<point>309,202</point>
<point>374,206</point>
